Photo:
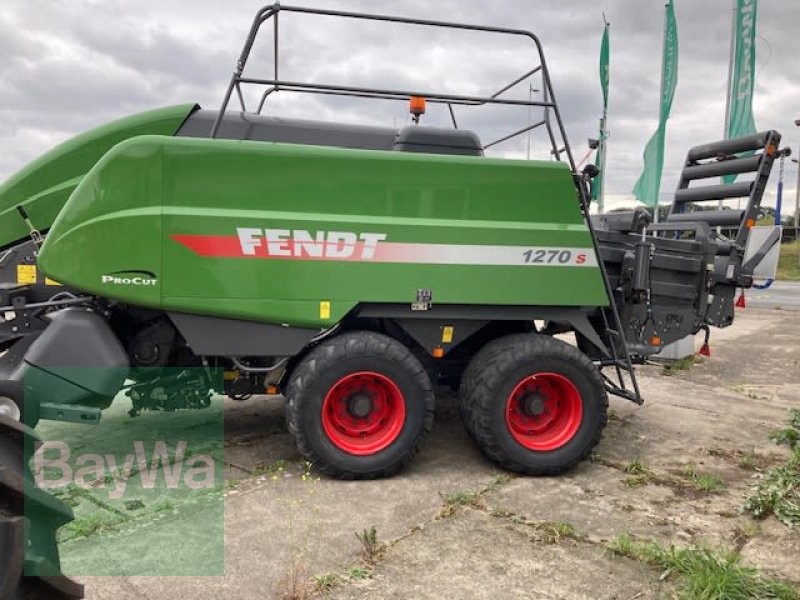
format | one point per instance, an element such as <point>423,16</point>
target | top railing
<point>555,131</point>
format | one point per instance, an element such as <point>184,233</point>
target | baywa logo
<point>137,278</point>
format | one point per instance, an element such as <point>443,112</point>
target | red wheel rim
<point>544,411</point>
<point>363,413</point>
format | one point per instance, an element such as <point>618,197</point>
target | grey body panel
<point>80,347</point>
<point>213,336</point>
<point>240,126</point>
<point>435,140</point>
<point>258,128</point>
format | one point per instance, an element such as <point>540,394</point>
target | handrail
<point>276,84</point>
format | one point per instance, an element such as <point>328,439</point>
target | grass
<point>705,482</point>
<point>748,460</point>
<point>272,469</point>
<point>98,522</point>
<point>709,483</point>
<point>778,491</point>
<point>553,532</point>
<point>452,502</point>
<point>357,573</point>
<point>791,435</point>
<point>703,573</point>
<point>325,583</point>
<point>684,364</point>
<point>788,266</point>
<point>640,473</point>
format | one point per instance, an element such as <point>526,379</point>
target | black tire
<point>35,514</point>
<point>568,393</point>
<point>471,377</point>
<point>12,395</point>
<point>367,361</point>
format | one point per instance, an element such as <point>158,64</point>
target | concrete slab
<point>473,555</point>
<point>715,416</point>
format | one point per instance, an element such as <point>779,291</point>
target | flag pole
<point>731,60</point>
<point>729,90</point>
<point>661,94</point>
<point>603,150</point>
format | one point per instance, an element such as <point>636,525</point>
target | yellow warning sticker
<point>26,273</point>
<point>324,309</point>
<point>447,334</point>
<point>48,281</point>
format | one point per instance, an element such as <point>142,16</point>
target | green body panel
<point>123,216</point>
<point>44,185</point>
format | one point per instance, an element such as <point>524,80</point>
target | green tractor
<point>352,269</point>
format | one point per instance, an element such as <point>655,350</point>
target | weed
<point>748,461</point>
<point>462,498</point>
<point>785,437</point>
<point>778,492</point>
<point>555,531</point>
<point>705,482</point>
<point>703,572</point>
<point>500,479</point>
<point>640,473</point>
<point>636,481</point>
<point>636,467</point>
<point>301,516</point>
<point>357,573</point>
<point>163,505</point>
<point>683,364</point>
<point>97,522</point>
<point>709,483</point>
<point>272,469</point>
<point>369,540</point>
<point>452,502</point>
<point>294,585</point>
<point>325,583</point>
<point>134,505</point>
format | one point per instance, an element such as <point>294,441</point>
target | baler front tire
<point>12,404</point>
<point>359,406</point>
<point>535,405</point>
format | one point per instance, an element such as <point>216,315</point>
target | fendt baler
<point>352,269</point>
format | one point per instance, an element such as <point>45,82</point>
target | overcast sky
<point>68,66</point>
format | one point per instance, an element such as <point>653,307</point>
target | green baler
<point>354,269</point>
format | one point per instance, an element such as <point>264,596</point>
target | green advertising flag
<point>605,54</point>
<point>740,112</point>
<point>648,186</point>
<point>604,81</point>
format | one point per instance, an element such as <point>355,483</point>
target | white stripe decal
<point>473,254</point>
<point>370,247</point>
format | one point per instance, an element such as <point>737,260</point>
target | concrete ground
<point>453,525</point>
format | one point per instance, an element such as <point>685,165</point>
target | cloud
<point>71,66</point>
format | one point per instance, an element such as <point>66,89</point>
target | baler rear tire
<point>14,472</point>
<point>396,396</point>
<point>557,380</point>
<point>470,378</point>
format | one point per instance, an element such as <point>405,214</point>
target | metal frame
<point>617,350</point>
<point>557,136</point>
